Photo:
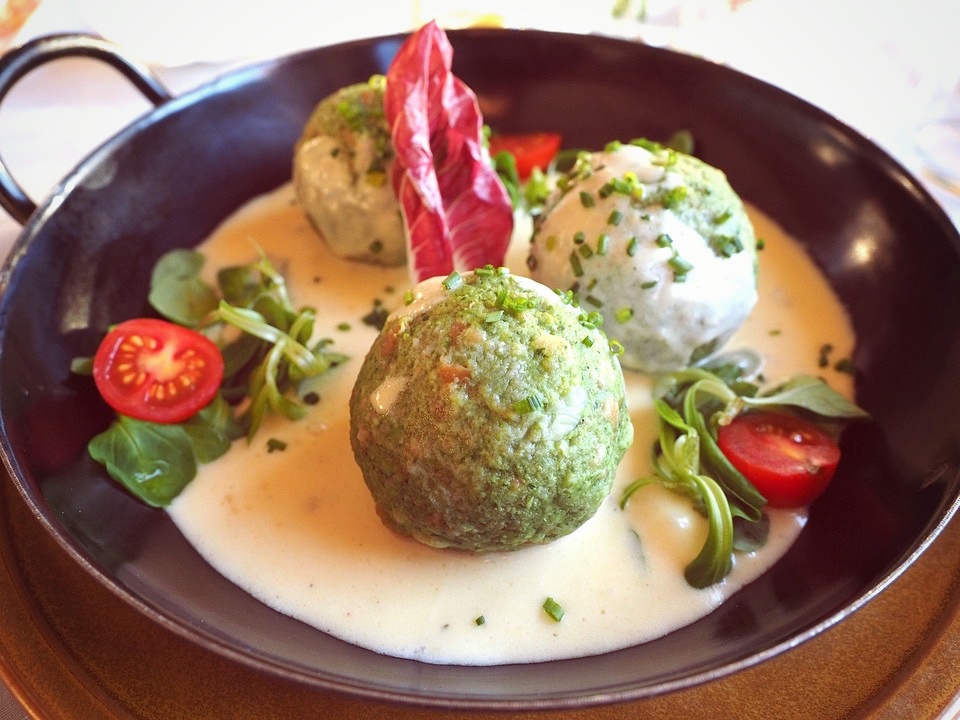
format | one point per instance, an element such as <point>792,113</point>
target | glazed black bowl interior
<point>84,260</point>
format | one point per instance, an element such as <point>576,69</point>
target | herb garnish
<point>691,403</point>
<point>264,365</point>
<point>552,608</point>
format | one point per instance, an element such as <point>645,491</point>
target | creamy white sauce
<point>298,530</point>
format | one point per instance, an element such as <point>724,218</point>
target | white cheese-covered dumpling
<point>341,175</point>
<point>657,242</point>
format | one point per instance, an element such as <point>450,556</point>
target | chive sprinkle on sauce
<point>603,244</point>
<point>552,608</point>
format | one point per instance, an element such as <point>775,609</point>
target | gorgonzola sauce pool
<point>298,530</point>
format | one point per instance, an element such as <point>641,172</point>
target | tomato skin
<point>788,459</point>
<point>157,371</point>
<point>529,150</point>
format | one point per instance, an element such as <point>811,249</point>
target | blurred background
<point>889,68</point>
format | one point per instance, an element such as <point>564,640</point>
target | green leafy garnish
<point>156,461</point>
<point>690,404</point>
<point>273,355</point>
<point>265,362</point>
<point>176,286</point>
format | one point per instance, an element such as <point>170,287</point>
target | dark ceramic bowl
<point>85,255</point>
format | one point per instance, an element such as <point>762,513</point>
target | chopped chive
<point>761,243</point>
<point>408,297</point>
<point>721,218</point>
<point>586,251</point>
<point>453,281</point>
<point>566,297</point>
<point>579,237</point>
<point>591,320</point>
<point>576,265</point>
<point>675,196</point>
<point>551,242</point>
<point>529,404</point>
<point>680,268</point>
<point>494,316</point>
<point>725,246</point>
<point>606,190</point>
<point>648,284</point>
<point>621,185</point>
<point>553,609</point>
<point>603,244</point>
<point>588,341</point>
<point>480,620</point>
<point>646,144</point>
<point>586,199</point>
<point>632,246</point>
<point>275,445</point>
<point>623,314</point>
<point>344,326</point>
<point>615,218</point>
<point>845,365</point>
<point>612,146</point>
<point>664,240</point>
<point>485,271</point>
<point>824,359</point>
<point>616,348</point>
<point>593,300</point>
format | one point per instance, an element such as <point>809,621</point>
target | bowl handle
<point>20,60</point>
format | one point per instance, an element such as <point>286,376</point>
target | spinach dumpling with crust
<point>341,176</point>
<point>658,242</point>
<point>489,414</point>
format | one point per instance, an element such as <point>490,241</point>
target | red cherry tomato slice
<point>529,150</point>
<point>788,459</point>
<point>156,370</point>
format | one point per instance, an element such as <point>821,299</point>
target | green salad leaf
<point>175,286</point>
<point>153,461</point>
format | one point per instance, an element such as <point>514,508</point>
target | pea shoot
<point>691,404</point>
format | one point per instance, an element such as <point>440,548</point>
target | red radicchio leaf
<point>457,213</point>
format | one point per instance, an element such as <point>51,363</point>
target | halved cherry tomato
<point>529,150</point>
<point>788,459</point>
<point>156,370</point>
